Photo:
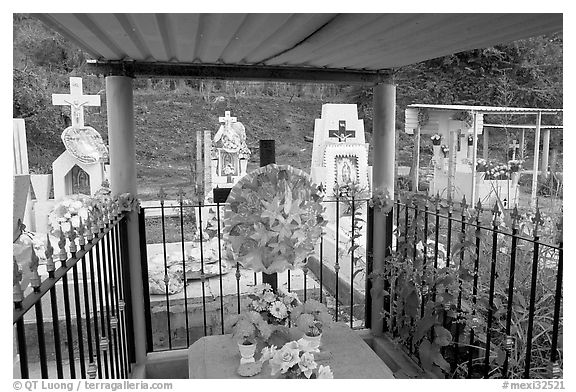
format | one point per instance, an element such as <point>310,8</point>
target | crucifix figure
<point>514,146</point>
<point>342,133</point>
<point>227,120</point>
<point>77,101</point>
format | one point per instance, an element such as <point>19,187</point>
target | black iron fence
<point>191,296</point>
<point>81,322</point>
<point>474,293</point>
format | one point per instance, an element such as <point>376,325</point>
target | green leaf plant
<point>440,312</point>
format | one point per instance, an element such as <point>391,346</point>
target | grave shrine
<point>83,161</point>
<point>340,151</point>
<point>229,153</point>
<point>454,155</point>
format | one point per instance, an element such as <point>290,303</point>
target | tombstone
<point>79,169</point>
<point>20,168</point>
<point>340,151</point>
<point>340,157</point>
<point>229,153</point>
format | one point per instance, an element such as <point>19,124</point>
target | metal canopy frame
<point>236,72</point>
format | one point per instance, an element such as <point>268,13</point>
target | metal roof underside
<point>357,45</point>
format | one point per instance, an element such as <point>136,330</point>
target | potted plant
<point>436,139</point>
<point>311,318</point>
<point>247,328</point>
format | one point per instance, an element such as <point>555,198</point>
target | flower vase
<point>312,343</point>
<point>247,352</point>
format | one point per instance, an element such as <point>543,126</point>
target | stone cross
<point>341,133</point>
<point>514,146</point>
<point>227,120</point>
<point>76,100</point>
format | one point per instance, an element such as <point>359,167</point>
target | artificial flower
<point>278,310</point>
<point>307,364</point>
<point>325,372</point>
<point>285,358</point>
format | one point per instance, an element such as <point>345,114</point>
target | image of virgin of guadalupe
<point>346,173</point>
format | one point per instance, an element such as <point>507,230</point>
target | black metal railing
<point>475,292</point>
<point>184,303</point>
<point>84,300</point>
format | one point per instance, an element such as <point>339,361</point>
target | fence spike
<point>35,279</point>
<point>463,204</point>
<point>81,231</point>
<point>50,267</point>
<point>181,195</point>
<point>72,239</point>
<point>18,294</point>
<point>162,195</point>
<point>62,245</point>
<point>537,219</point>
<point>88,228</point>
<point>479,206</point>
<point>515,216</point>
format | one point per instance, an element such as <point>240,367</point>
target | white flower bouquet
<point>294,362</point>
<point>274,308</point>
<point>67,214</point>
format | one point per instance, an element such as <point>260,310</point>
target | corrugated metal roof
<point>485,109</point>
<point>354,42</point>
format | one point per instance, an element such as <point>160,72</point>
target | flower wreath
<point>273,219</point>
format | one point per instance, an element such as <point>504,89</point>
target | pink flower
<point>307,364</point>
<point>285,358</point>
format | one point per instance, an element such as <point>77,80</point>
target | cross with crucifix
<point>77,101</point>
<point>227,120</point>
<point>514,146</point>
<point>342,133</point>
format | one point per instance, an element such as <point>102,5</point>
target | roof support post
<point>474,157</point>
<point>545,151</point>
<point>536,157</point>
<point>120,108</point>
<point>522,143</point>
<point>485,144</point>
<point>384,141</point>
<point>416,160</point>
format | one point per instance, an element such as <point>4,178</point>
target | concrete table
<point>346,353</point>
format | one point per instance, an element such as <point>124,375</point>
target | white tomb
<point>340,151</point>
<point>453,169</point>
<point>229,153</point>
<point>340,156</point>
<point>83,160</point>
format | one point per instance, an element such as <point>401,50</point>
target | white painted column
<point>384,141</point>
<point>536,157</point>
<point>545,151</point>
<point>486,143</point>
<point>416,160</point>
<point>474,158</point>
<point>120,107</point>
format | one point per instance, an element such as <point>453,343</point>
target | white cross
<point>76,100</point>
<point>514,146</point>
<point>227,120</point>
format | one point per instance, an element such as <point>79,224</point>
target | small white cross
<point>227,120</point>
<point>76,100</point>
<point>514,146</point>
